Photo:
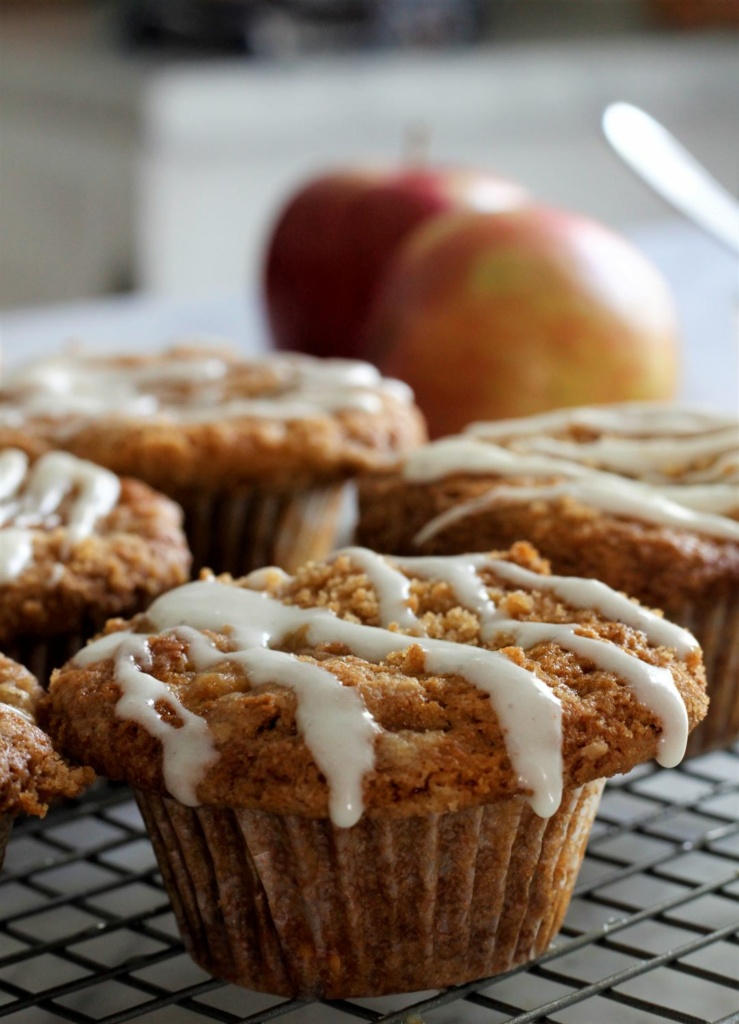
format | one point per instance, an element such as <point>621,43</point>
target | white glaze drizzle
<point>655,443</point>
<point>604,491</point>
<point>93,387</point>
<point>393,593</point>
<point>31,499</point>
<point>13,470</point>
<point>587,593</point>
<point>333,719</point>
<point>336,725</point>
<point>462,573</point>
<point>654,460</point>
<point>716,499</point>
<point>627,418</point>
<point>16,553</point>
<point>627,499</point>
<point>187,748</point>
<point>460,454</point>
<point>520,698</point>
<point>653,686</point>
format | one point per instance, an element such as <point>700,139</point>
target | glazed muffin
<point>690,455</point>
<point>666,534</point>
<point>32,774</point>
<point>78,545</point>
<point>260,454</point>
<point>379,774</point>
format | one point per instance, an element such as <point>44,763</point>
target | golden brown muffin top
<point>374,685</point>
<point>78,544</point>
<point>31,772</point>
<point>202,416</point>
<point>665,566</point>
<point>642,495</point>
<point>690,455</point>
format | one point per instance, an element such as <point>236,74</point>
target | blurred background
<point>146,145</point>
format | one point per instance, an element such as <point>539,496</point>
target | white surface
<point>131,323</point>
<point>705,281</point>
<point>168,174</point>
<point>704,278</point>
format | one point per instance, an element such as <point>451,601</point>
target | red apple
<point>509,314</point>
<point>333,240</point>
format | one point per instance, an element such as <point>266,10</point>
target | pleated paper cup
<point>297,907</point>
<point>6,823</point>
<point>41,655</point>
<point>715,626</point>
<point>238,531</point>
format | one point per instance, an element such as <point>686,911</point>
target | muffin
<point>32,774</point>
<point>643,497</point>
<point>78,545</point>
<point>378,774</point>
<point>691,455</point>
<point>259,454</point>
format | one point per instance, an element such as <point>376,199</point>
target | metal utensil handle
<point>673,172</point>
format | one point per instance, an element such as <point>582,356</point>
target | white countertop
<point>704,278</point>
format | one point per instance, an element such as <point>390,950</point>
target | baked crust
<point>642,496</point>
<point>32,774</point>
<point>170,452</point>
<point>659,443</point>
<point>136,551</point>
<point>440,746</point>
<point>664,566</point>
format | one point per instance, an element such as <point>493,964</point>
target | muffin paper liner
<point>6,823</point>
<point>237,531</point>
<point>715,626</point>
<point>41,655</point>
<point>296,907</point>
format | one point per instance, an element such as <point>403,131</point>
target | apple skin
<point>333,240</point>
<point>510,314</point>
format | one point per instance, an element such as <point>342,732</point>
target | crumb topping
<point>194,416</point>
<point>460,704</point>
<point>32,774</point>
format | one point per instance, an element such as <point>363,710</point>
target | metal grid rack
<point>86,933</point>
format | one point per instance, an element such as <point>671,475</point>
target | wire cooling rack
<point>86,932</point>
